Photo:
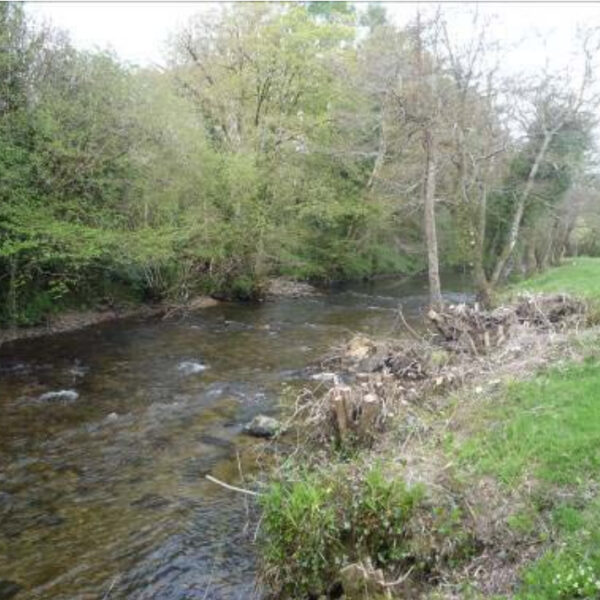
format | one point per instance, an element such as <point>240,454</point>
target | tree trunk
<point>382,149</point>
<point>515,227</point>
<point>531,262</point>
<point>482,286</point>
<point>435,291</point>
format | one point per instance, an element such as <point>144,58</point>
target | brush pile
<point>556,311</point>
<point>472,330</point>
<point>384,377</point>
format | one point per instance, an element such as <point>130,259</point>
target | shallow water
<point>106,435</point>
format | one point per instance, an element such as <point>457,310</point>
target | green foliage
<point>301,535</point>
<point>378,515</point>
<point>184,181</point>
<point>316,522</point>
<point>570,569</point>
<point>561,164</point>
<point>249,156</point>
<point>562,575</point>
<point>540,437</point>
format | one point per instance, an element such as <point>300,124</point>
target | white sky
<point>137,30</point>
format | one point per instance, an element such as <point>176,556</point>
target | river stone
<point>6,502</point>
<point>190,367</point>
<point>263,426</point>
<point>49,520</point>
<point>211,440</point>
<point>326,376</point>
<point>288,288</point>
<point>9,589</point>
<point>60,395</point>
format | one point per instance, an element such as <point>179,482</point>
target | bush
<point>316,523</point>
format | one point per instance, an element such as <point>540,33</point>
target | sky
<point>137,30</point>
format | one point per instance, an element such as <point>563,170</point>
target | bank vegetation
<point>316,141</point>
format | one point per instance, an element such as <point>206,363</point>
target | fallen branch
<point>400,579</point>
<point>233,488</point>
<point>407,326</point>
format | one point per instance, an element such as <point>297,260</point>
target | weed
<point>316,523</point>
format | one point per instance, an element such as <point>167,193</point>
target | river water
<point>102,488</point>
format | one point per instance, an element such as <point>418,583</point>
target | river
<point>102,487</point>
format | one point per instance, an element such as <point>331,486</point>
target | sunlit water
<point>102,487</point>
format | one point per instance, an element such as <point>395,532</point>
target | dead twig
<point>233,488</point>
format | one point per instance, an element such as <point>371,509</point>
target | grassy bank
<point>578,276</point>
<point>540,441</point>
<point>489,489</point>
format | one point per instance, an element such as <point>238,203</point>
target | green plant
<point>379,511</point>
<point>301,548</point>
<point>561,576</point>
<point>314,523</point>
<point>546,427</point>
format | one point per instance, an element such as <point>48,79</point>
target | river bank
<point>75,320</point>
<point>437,473</point>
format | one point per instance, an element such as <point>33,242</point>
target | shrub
<point>300,535</point>
<point>316,523</point>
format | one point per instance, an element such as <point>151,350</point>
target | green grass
<point>578,276</point>
<point>547,428</point>
<point>543,435</point>
<point>571,568</point>
<point>314,523</point>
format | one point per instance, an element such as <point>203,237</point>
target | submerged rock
<point>9,589</point>
<point>190,367</point>
<point>60,395</point>
<point>49,520</point>
<point>6,502</point>
<point>202,302</point>
<point>211,440</point>
<point>263,426</point>
<point>151,502</point>
<point>326,376</point>
<point>283,287</point>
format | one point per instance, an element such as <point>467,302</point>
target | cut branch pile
<point>550,311</point>
<point>470,329</point>
<point>390,376</point>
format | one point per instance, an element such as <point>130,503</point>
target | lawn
<point>547,428</point>
<point>578,276</point>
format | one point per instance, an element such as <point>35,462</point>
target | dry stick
<point>112,585</point>
<point>247,505</point>
<point>408,327</point>
<point>257,529</point>
<point>400,579</point>
<point>233,488</point>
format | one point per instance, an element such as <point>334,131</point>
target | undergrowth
<point>315,523</point>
